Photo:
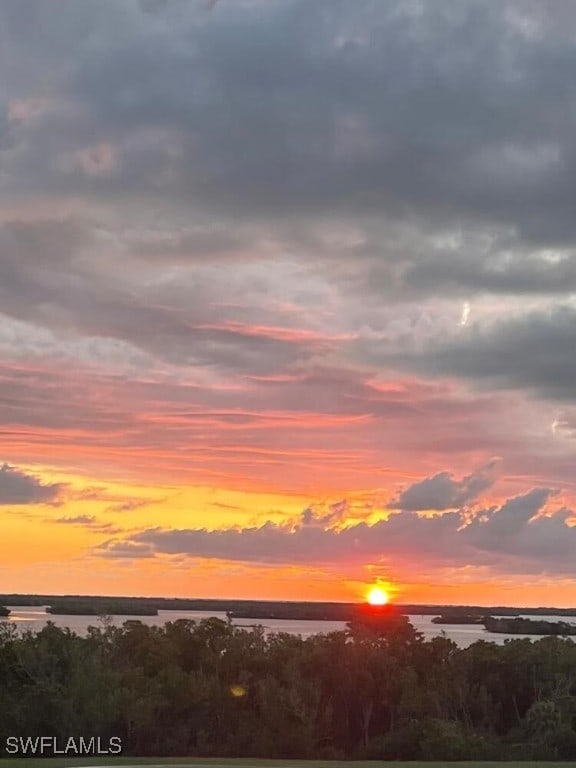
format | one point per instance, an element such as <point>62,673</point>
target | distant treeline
<point>99,608</point>
<point>458,618</point>
<point>263,609</point>
<point>210,689</point>
<point>510,625</point>
<point>518,626</point>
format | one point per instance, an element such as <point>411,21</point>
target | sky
<point>288,299</point>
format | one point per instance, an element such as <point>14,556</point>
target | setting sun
<point>377,596</point>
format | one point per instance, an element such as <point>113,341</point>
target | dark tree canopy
<point>208,688</point>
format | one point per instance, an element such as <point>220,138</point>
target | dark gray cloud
<point>532,351</point>
<point>501,266</point>
<point>440,135</point>
<point>451,110</point>
<point>51,274</point>
<point>504,529</point>
<point>516,537</point>
<point>443,491</point>
<point>18,487</point>
<point>201,244</point>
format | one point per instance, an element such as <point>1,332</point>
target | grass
<point>246,763</point>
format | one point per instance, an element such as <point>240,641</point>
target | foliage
<point>375,691</point>
<point>523,626</point>
<point>100,608</point>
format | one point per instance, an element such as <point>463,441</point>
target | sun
<point>377,596</point>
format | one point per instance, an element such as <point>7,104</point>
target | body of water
<point>35,617</point>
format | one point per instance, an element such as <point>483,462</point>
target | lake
<point>35,617</point>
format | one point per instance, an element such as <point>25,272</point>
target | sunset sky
<point>288,299</point>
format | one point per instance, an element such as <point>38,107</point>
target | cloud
<point>442,491</point>
<point>118,502</point>
<point>322,428</point>
<point>325,516</point>
<point>528,351</point>
<point>361,108</point>
<point>478,263</point>
<point>131,504</point>
<point>86,521</point>
<point>55,277</point>
<point>517,537</point>
<point>18,487</point>
<point>78,520</point>
<point>124,550</point>
<point>235,248</point>
<point>352,163</point>
<point>509,525</point>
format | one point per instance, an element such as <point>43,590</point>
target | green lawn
<point>244,763</point>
